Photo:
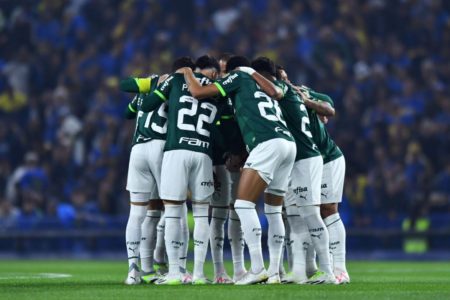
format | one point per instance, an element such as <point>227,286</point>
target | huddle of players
<point>259,133</point>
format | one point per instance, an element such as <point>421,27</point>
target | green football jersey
<point>297,119</point>
<point>258,116</point>
<point>190,121</point>
<point>152,125</point>
<point>327,147</point>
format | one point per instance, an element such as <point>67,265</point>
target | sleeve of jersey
<point>322,97</point>
<point>136,85</point>
<point>152,101</point>
<point>227,84</point>
<point>131,110</point>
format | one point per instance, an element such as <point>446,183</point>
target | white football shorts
<point>184,170</point>
<point>144,170</point>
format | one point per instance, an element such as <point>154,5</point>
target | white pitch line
<point>34,276</point>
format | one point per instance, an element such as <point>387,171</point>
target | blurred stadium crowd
<point>64,144</point>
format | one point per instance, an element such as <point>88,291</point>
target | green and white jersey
<point>327,147</point>
<point>190,121</point>
<point>297,119</point>
<point>152,125</point>
<point>258,116</point>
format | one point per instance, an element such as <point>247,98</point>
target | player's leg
<point>307,174</point>
<point>160,247</point>
<point>174,174</point>
<point>235,234</point>
<point>133,238</point>
<point>332,189</point>
<point>251,185</point>
<point>201,184</point>
<point>153,151</point>
<point>148,240</point>
<point>220,206</point>
<point>299,239</point>
<point>139,183</point>
<point>273,206</point>
<point>184,229</point>
<point>263,162</point>
<point>287,247</point>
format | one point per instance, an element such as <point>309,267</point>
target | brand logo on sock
<point>324,186</point>
<point>316,235</point>
<point>316,229</point>
<point>198,243</point>
<point>325,195</point>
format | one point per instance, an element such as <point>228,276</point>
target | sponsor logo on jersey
<point>229,79</point>
<point>208,183</point>
<point>193,142</point>
<point>166,83</point>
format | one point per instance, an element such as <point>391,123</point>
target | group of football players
<point>222,133</point>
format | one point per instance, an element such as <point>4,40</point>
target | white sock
<point>201,237</point>
<point>236,238</point>
<point>299,240</point>
<point>275,238</point>
<point>287,245</point>
<point>311,264</point>
<point>252,232</point>
<point>319,235</point>
<point>184,238</point>
<point>148,239</point>
<point>160,248</point>
<point>219,216</point>
<point>173,237</point>
<point>336,231</point>
<point>133,233</point>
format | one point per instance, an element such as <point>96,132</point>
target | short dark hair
<point>264,65</point>
<point>206,61</point>
<point>225,56</point>
<point>181,62</point>
<point>237,61</point>
<point>279,69</point>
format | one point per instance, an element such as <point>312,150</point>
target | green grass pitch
<point>28,279</point>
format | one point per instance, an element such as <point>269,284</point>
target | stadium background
<point>64,144</point>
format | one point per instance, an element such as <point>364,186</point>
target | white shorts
<point>333,181</point>
<point>273,159</point>
<point>144,170</point>
<point>183,170</point>
<point>304,187</point>
<point>222,184</point>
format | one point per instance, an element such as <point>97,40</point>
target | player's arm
<point>136,85</point>
<point>321,103</point>
<point>266,85</point>
<point>196,89</point>
<point>131,110</point>
<point>153,101</point>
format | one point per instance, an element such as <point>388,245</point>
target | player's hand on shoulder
<point>183,70</point>
<point>247,70</point>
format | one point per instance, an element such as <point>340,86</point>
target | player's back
<point>258,116</point>
<point>190,120</point>
<point>297,119</point>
